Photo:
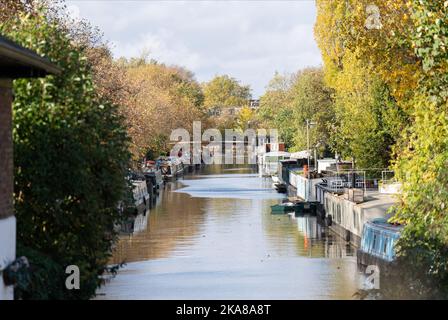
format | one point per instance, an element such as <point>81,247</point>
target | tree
<point>167,98</point>
<point>10,9</point>
<point>371,70</point>
<point>291,100</point>
<point>378,32</point>
<point>275,111</point>
<point>421,166</point>
<point>245,119</point>
<point>311,100</point>
<point>224,91</point>
<point>223,96</point>
<point>398,70</point>
<point>70,157</point>
<point>367,119</point>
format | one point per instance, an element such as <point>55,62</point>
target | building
<point>254,104</point>
<point>15,62</point>
<point>231,111</point>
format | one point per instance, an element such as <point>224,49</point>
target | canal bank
<point>212,236</point>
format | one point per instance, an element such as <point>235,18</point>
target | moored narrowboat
<point>278,185</point>
<point>378,242</point>
<point>297,208</point>
<point>283,208</point>
<point>269,162</point>
<point>153,174</point>
<point>171,167</point>
<point>135,213</point>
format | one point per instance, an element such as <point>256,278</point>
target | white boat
<point>136,215</point>
<point>268,162</point>
<point>171,167</point>
<point>153,175</point>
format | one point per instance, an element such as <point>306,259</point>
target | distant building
<point>214,112</point>
<point>232,111</point>
<point>224,111</point>
<point>254,104</point>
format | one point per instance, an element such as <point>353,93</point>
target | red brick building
<point>15,62</point>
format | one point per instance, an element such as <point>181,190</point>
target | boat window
<point>385,245</point>
<point>374,242</point>
<point>339,214</point>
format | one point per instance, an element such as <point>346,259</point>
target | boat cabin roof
<point>277,154</point>
<point>381,223</point>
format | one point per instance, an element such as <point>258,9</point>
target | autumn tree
<point>167,98</point>
<point>275,111</point>
<point>223,97</point>
<point>224,91</point>
<point>10,9</point>
<point>391,58</point>
<point>291,100</point>
<point>378,33</point>
<point>422,165</point>
<point>246,119</point>
<point>369,63</point>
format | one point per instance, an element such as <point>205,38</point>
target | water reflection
<point>212,236</point>
<point>171,227</point>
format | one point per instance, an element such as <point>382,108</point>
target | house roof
<point>19,62</point>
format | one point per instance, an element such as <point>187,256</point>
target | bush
<point>70,157</point>
<point>44,280</point>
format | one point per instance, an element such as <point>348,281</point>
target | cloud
<point>248,40</point>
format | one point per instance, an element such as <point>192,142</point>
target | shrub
<point>70,157</point>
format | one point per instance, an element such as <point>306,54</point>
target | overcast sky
<point>248,40</point>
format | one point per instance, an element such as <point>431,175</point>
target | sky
<point>248,40</point>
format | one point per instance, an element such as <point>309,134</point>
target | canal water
<point>212,236</point>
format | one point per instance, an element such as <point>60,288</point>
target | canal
<point>211,236</point>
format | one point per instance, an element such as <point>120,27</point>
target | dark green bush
<point>45,280</point>
<point>70,157</point>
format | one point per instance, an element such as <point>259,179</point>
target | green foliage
<point>45,279</point>
<point>391,92</point>
<point>222,96</point>
<point>368,122</point>
<point>312,100</point>
<point>422,165</point>
<point>70,157</point>
<point>166,98</point>
<point>291,100</point>
<point>224,91</point>
<point>275,110</point>
<point>371,74</point>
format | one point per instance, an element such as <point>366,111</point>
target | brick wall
<point>6,156</point>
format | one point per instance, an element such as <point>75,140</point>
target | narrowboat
<point>298,208</point>
<point>278,185</point>
<point>378,242</point>
<point>305,208</point>
<point>283,208</point>
<point>281,187</point>
<point>153,176</point>
<point>136,213</point>
<point>286,166</point>
<point>269,162</point>
<point>171,167</point>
